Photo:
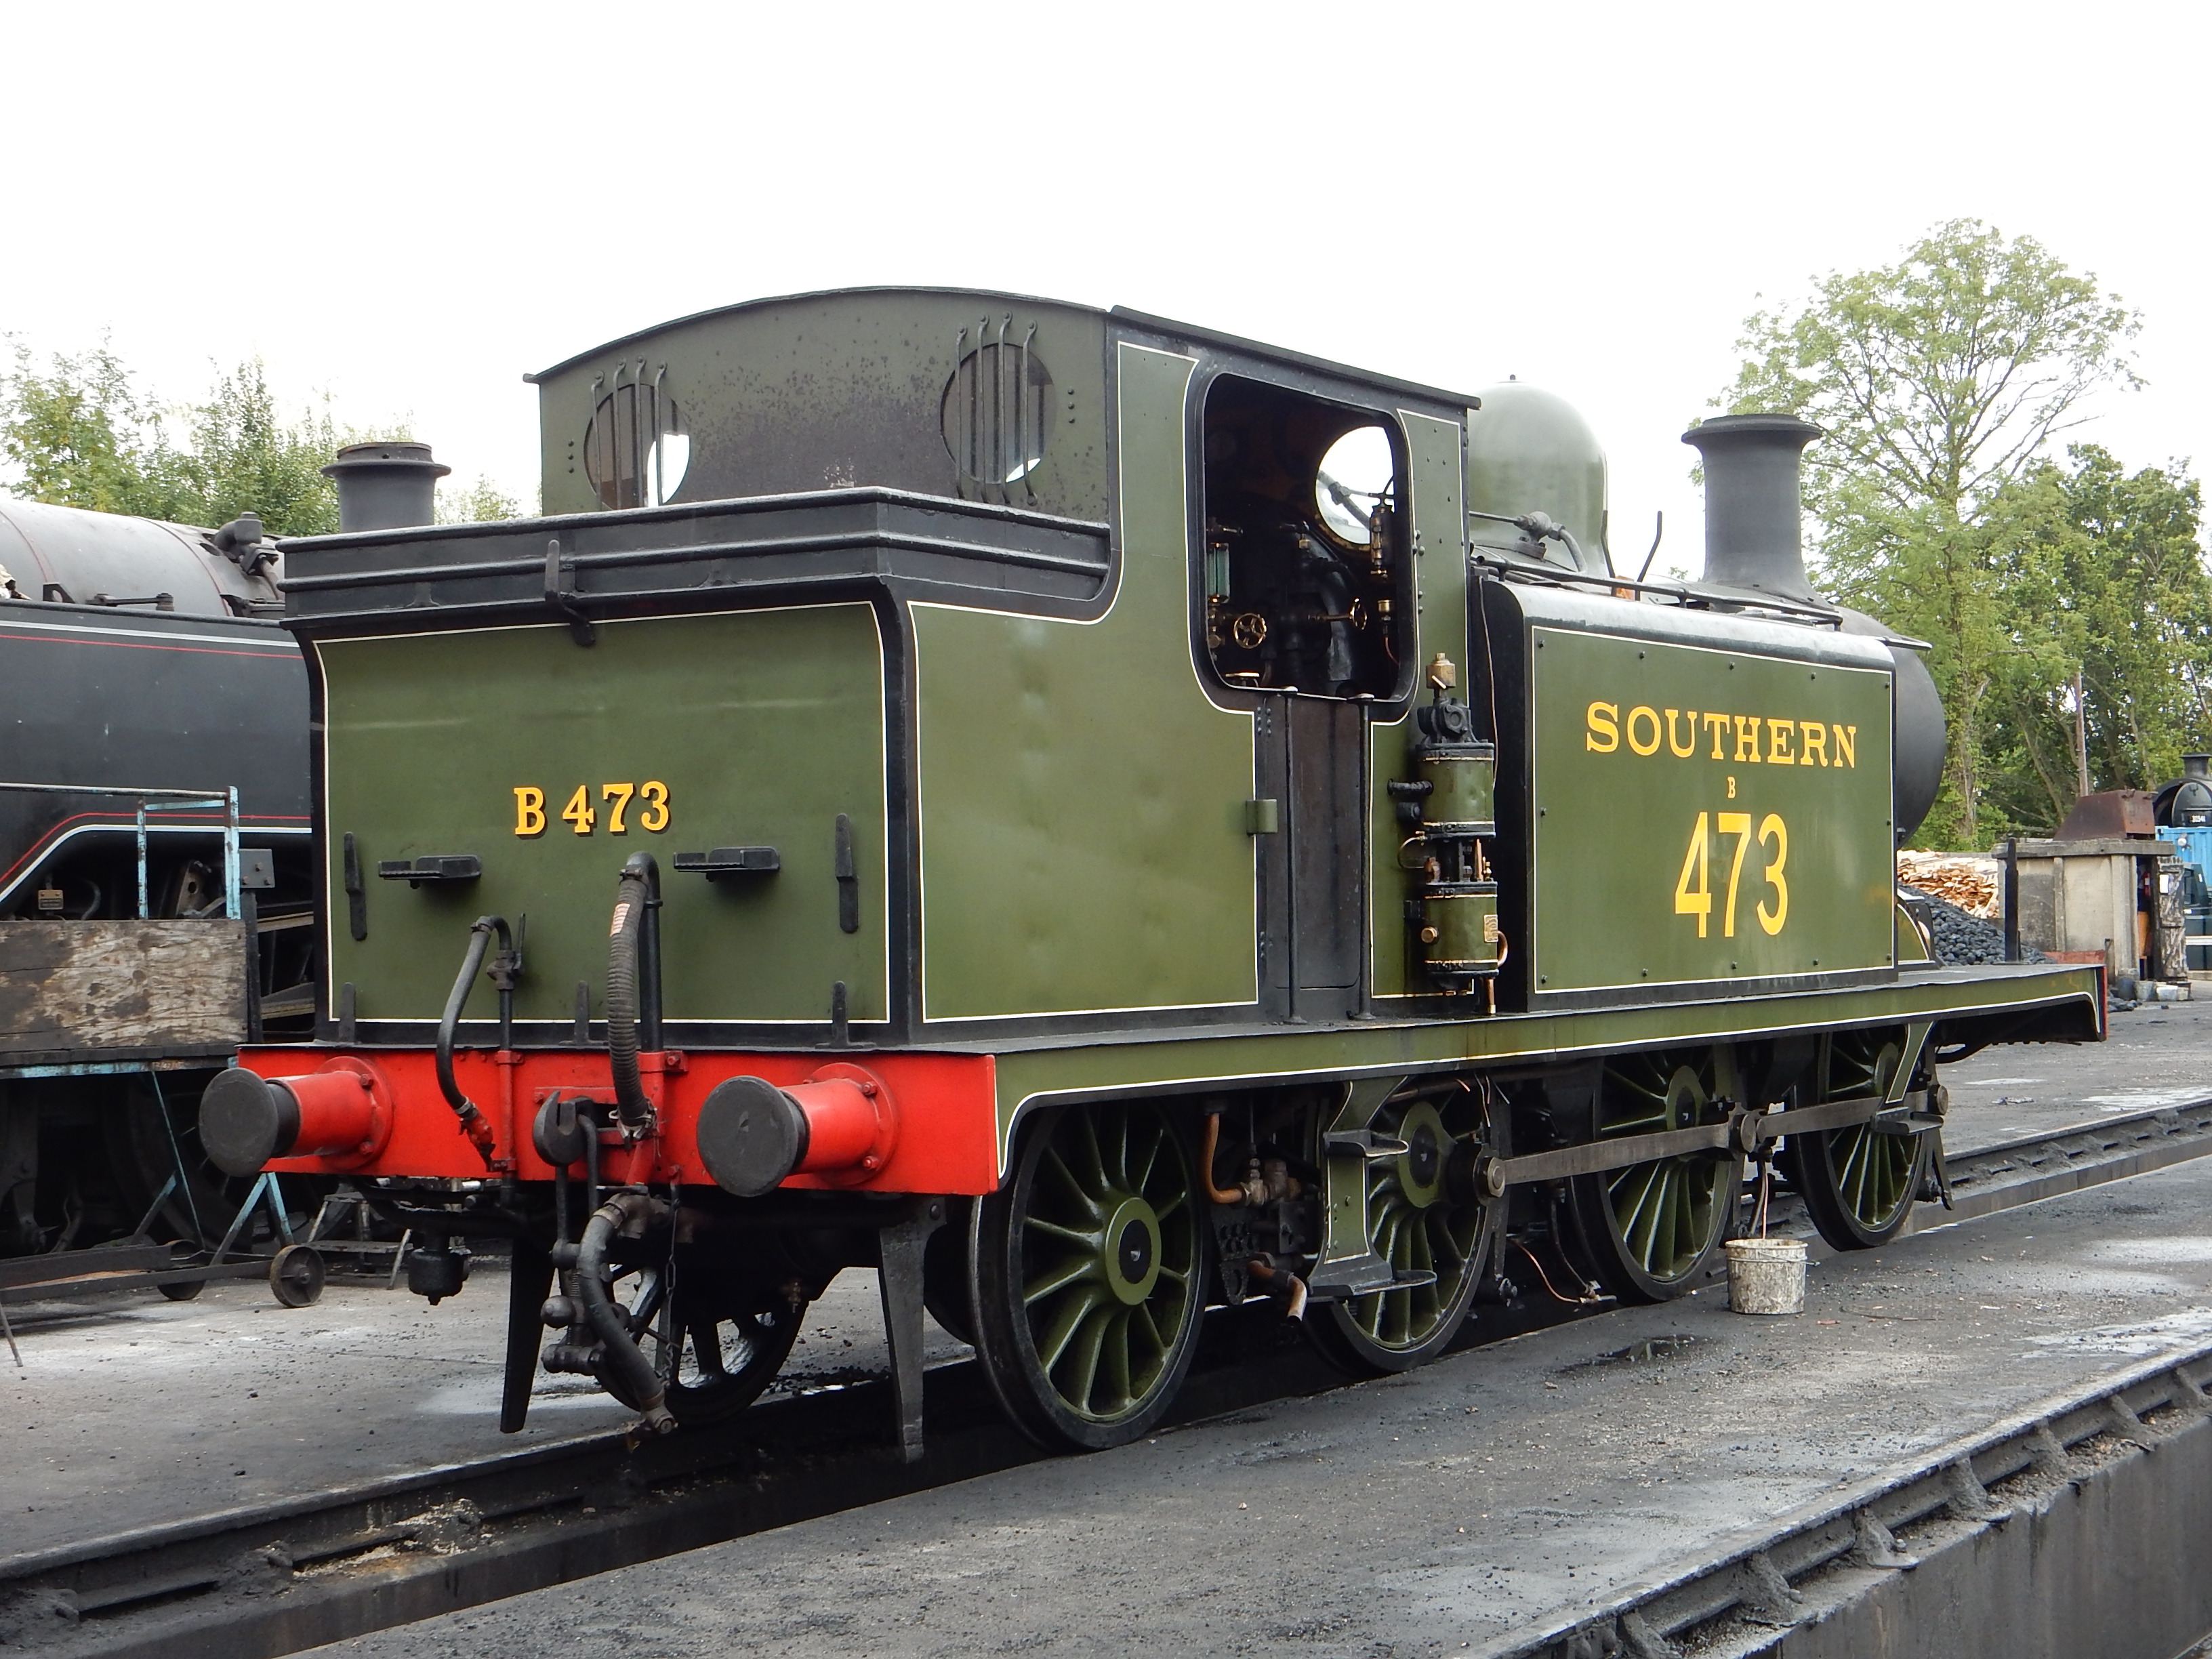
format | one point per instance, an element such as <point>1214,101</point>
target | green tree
<point>480,502</point>
<point>2106,579</point>
<point>80,433</point>
<point>1942,381</point>
<point>244,457</point>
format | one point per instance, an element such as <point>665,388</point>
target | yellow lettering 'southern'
<point>1650,717</point>
<point>1719,726</point>
<point>1747,738</point>
<point>1779,734</point>
<point>528,811</point>
<point>1681,750</point>
<point>1847,745</point>
<point>1815,734</point>
<point>1602,719</point>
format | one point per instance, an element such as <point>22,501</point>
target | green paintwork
<point>1462,792</point>
<point>1073,1068</point>
<point>1466,927</point>
<point>1083,830</point>
<point>822,390</point>
<point>1615,825</point>
<point>763,725</point>
<point>1433,449</point>
<point>1110,1260</point>
<point>1530,451</point>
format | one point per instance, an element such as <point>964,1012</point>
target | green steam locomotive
<point>1094,819</point>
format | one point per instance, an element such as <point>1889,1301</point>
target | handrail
<point>180,800</point>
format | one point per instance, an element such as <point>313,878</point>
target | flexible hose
<point>637,1375</point>
<point>474,1124</point>
<point>624,937</point>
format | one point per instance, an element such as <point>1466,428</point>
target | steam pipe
<point>623,1356</point>
<point>474,1124</point>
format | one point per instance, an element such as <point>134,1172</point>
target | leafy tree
<point>1942,381</point>
<point>480,502</point>
<point>2103,576</point>
<point>81,434</point>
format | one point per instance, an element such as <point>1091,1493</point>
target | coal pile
<point>1959,939</point>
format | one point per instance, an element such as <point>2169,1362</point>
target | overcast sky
<point>410,206</point>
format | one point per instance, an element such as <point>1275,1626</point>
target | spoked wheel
<point>716,1349</point>
<point>1418,1227</point>
<point>1652,1229</point>
<point>1857,1184</point>
<point>1088,1273</point>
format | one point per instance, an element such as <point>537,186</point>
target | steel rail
<point>269,1579</point>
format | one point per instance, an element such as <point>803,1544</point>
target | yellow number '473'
<point>1695,901</point>
<point>1739,825</point>
<point>1770,827</point>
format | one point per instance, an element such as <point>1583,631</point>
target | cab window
<point>1305,580</point>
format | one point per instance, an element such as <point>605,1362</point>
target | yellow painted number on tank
<point>650,798</point>
<point>616,796</point>
<point>1772,829</point>
<point>1739,825</point>
<point>1699,900</point>
<point>1693,892</point>
<point>528,811</point>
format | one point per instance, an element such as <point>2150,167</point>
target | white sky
<point>410,206</point>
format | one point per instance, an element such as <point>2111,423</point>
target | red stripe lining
<point>133,645</point>
<point>53,833</point>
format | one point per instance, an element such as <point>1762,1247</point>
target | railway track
<point>275,1578</point>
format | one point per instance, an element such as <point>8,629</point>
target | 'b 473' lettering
<point>611,811</point>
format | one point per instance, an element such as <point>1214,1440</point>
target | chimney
<point>2197,766</point>
<point>1752,536</point>
<point>390,486</point>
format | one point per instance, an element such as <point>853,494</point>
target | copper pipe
<point>1267,1274</point>
<point>1217,1195</point>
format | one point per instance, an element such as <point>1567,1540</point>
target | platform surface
<point>130,1411</point>
<point>1450,1508</point>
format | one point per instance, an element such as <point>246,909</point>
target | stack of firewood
<point>1976,885</point>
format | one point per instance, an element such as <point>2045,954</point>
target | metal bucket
<point>1767,1275</point>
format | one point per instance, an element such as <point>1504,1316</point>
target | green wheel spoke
<point>1084,1199</point>
<point>1067,1319</point>
<point>1075,1270</point>
<point>1141,1180</point>
<point>1081,1356</point>
<point>1081,1238</point>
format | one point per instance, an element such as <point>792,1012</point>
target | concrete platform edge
<point>2090,1479</point>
